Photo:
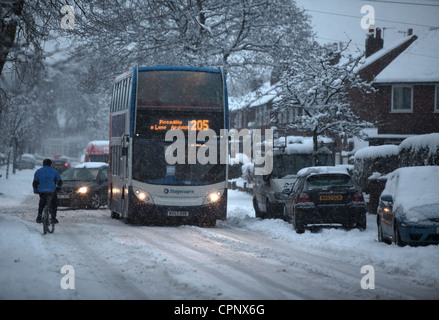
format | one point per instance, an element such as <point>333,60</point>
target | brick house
<point>406,77</point>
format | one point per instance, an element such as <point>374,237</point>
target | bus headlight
<point>83,190</point>
<point>143,196</point>
<point>213,197</point>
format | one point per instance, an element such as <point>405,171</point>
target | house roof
<point>418,63</point>
<point>381,53</point>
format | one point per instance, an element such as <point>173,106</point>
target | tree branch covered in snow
<point>319,86</point>
<point>234,35</point>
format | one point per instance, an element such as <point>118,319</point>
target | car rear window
<point>81,174</point>
<point>332,180</point>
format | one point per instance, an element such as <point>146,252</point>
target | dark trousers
<point>43,201</point>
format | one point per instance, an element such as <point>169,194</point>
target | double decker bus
<point>146,188</point>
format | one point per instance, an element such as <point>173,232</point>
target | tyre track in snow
<point>229,274</point>
<point>341,273</point>
<point>251,267</point>
<point>307,273</point>
<point>95,270</point>
<point>96,277</point>
<point>117,261</point>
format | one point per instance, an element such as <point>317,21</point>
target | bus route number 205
<point>199,125</point>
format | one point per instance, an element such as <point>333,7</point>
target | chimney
<point>374,42</point>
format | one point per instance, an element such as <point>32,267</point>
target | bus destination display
<point>165,125</point>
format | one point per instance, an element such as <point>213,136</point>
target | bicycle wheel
<point>45,219</point>
<point>48,226</point>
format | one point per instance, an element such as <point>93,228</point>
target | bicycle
<point>48,223</point>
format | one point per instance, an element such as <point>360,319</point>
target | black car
<point>84,186</point>
<point>325,196</point>
<point>61,165</point>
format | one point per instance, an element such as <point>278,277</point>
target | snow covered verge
<point>241,258</point>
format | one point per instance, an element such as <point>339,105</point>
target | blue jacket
<point>46,180</point>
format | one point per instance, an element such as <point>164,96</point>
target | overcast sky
<point>340,20</point>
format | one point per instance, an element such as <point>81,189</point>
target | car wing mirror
<point>387,198</point>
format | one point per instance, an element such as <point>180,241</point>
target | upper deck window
<point>168,88</point>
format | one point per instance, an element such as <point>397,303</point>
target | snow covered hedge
<point>373,162</point>
<point>420,150</point>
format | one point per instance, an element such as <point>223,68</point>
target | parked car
<point>325,196</point>
<point>26,161</point>
<point>408,211</point>
<point>84,186</point>
<point>61,165</point>
<point>39,159</point>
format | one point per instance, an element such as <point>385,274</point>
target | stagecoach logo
<point>173,191</point>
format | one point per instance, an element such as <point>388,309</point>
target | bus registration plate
<point>175,213</point>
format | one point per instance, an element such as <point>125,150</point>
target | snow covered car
<point>408,212</point>
<point>27,161</point>
<point>325,196</point>
<point>84,186</point>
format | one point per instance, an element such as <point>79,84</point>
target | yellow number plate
<point>329,197</point>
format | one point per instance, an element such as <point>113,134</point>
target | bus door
<point>124,162</point>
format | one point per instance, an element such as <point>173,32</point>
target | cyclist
<point>46,181</point>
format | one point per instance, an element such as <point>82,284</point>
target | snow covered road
<point>241,258</point>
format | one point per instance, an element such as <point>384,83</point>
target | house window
<point>402,98</point>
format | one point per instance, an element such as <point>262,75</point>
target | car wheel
<point>398,240</point>
<point>285,215</point>
<point>270,211</point>
<point>258,213</point>
<point>362,223</point>
<point>299,227</point>
<point>95,202</point>
<point>381,237</point>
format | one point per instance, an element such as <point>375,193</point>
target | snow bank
<point>15,189</point>
<point>376,151</point>
<point>428,141</point>
<point>91,165</point>
<point>299,144</point>
<point>323,169</point>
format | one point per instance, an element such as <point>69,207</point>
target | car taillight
<point>303,198</point>
<point>358,197</point>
